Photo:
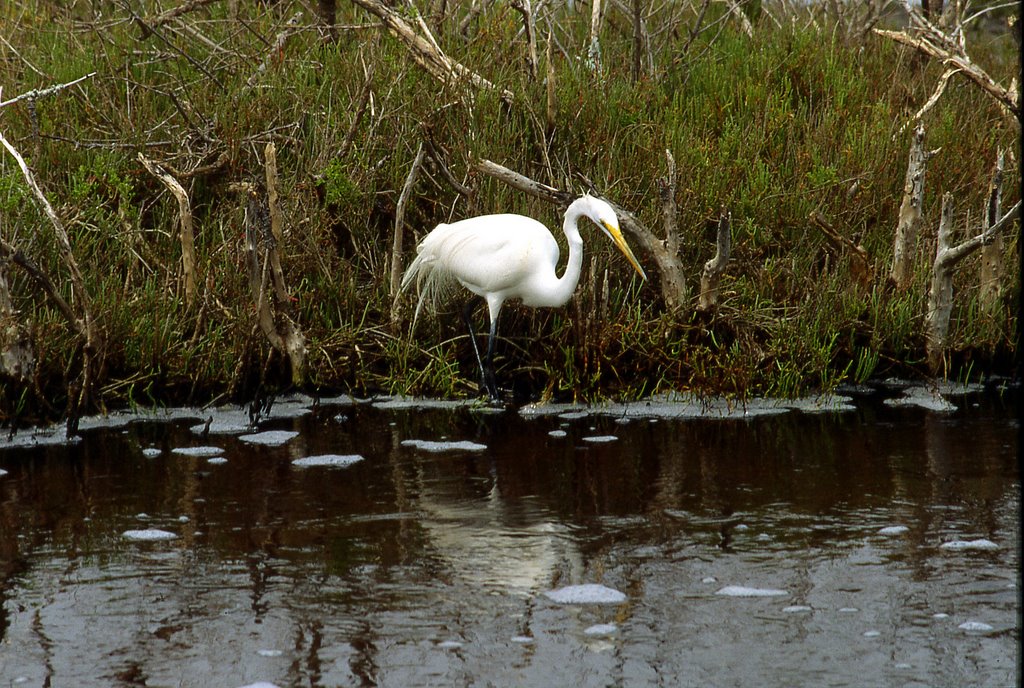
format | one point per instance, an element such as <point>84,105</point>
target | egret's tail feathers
<point>432,279</point>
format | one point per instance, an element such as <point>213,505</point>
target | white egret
<point>501,257</point>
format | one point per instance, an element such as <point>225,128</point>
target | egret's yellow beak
<point>620,242</point>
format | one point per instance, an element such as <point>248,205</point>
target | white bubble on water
<point>980,544</point>
<point>142,516</point>
<point>152,452</point>
<point>270,438</point>
<point>328,461</point>
<point>183,519</point>
<point>449,644</point>
<point>522,639</point>
<point>796,609</point>
<point>975,627</point>
<point>198,451</point>
<point>148,535</point>
<point>269,653</point>
<point>558,433</point>
<point>940,615</point>
<point>848,610</point>
<point>601,629</point>
<point>709,579</point>
<point>872,634</point>
<point>260,684</point>
<point>439,447</point>
<point>588,593</point>
<point>216,461</point>
<point>744,591</point>
<point>893,530</point>
<point>599,439</point>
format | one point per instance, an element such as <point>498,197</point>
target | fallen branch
<point>940,295</point>
<point>714,268</point>
<point>185,230</point>
<point>860,266</point>
<point>672,285</point>
<point>425,52</point>
<point>669,211</point>
<point>938,45</point>
<point>43,92</point>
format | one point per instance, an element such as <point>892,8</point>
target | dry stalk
<point>714,268</point>
<point>396,246</point>
<point>186,232</point>
<point>291,26</point>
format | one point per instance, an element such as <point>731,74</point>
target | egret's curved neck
<point>566,284</point>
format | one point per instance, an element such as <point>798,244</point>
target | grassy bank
<point>793,120</point>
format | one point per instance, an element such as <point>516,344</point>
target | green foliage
<point>773,127</point>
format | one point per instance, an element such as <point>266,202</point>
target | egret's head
<point>604,217</point>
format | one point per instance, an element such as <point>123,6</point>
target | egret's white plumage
<point>501,257</point>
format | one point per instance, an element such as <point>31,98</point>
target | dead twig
<point>185,230</point>
<point>714,268</point>
<point>396,245</point>
<point>37,93</point>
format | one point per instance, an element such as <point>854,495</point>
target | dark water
<point>412,568</point>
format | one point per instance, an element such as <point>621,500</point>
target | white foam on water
<point>709,579</point>
<point>152,452</point>
<point>923,397</point>
<point>449,645</point>
<point>588,593</point>
<point>439,447</point>
<point>328,460</point>
<point>216,461</point>
<point>975,627</point>
<point>744,591</point>
<point>848,610</point>
<point>269,653</point>
<point>270,438</point>
<point>893,530</point>
<point>260,684</point>
<point>601,629</point>
<point>198,451</point>
<point>142,516</point>
<point>600,438</point>
<point>183,519</point>
<point>796,609</point>
<point>2,472</point>
<point>558,433</point>
<point>871,634</point>
<point>970,545</point>
<point>940,615</point>
<point>522,639</point>
<point>148,535</point>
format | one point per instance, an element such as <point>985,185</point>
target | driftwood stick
<point>860,266</point>
<point>667,187</point>
<point>594,49</point>
<point>186,233</point>
<point>992,267</point>
<point>274,208</point>
<point>714,268</point>
<point>396,245</point>
<point>940,295</point>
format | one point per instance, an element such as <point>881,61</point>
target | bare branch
<point>396,246</point>
<point>714,268</point>
<point>186,232</point>
<point>43,92</point>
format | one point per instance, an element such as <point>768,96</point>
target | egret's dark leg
<point>492,387</point>
<point>486,373</point>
